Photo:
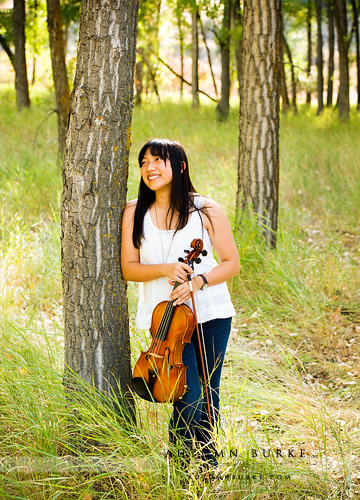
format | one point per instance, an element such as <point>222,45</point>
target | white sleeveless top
<point>160,245</point>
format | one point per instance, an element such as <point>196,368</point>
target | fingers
<point>179,271</point>
<point>181,294</point>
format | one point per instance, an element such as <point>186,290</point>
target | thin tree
<point>208,55</point>
<point>21,78</point>
<point>195,56</point>
<point>58,63</point>
<point>292,70</point>
<point>343,43</point>
<point>97,345</point>
<point>309,46</point>
<point>331,62</point>
<point>178,12</point>
<point>236,37</point>
<point>355,12</point>
<point>319,59</point>
<point>258,167</point>
<point>222,108</point>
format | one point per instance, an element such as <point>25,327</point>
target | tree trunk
<point>181,46</point>
<point>21,79</point>
<point>331,64</point>
<point>341,28</point>
<point>7,50</point>
<point>208,55</point>
<point>97,345</point>
<point>138,82</point>
<point>355,10</point>
<point>195,59</point>
<point>222,108</point>
<point>293,78</point>
<point>283,86</point>
<point>57,48</point>
<point>309,46</point>
<point>258,168</point>
<point>237,19</point>
<point>319,59</point>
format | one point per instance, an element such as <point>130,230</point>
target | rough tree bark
<point>309,46</point>
<point>258,167</point>
<point>331,63</point>
<point>97,346</point>
<point>21,79</point>
<point>341,28</point>
<point>319,59</point>
<point>355,11</point>
<point>58,63</point>
<point>195,58</point>
<point>222,108</point>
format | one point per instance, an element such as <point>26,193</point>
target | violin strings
<point>165,321</point>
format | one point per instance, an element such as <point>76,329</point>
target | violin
<point>159,374</point>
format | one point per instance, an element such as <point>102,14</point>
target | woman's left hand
<point>181,294</point>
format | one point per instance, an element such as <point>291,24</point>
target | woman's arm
<point>131,267</point>
<point>223,241</point>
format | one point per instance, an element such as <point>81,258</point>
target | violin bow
<point>191,261</point>
<point>205,374</point>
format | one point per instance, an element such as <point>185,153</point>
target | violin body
<point>159,374</point>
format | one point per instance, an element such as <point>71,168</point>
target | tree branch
<point>181,78</point>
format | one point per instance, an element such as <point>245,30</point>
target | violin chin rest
<point>141,388</point>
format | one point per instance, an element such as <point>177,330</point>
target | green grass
<point>291,378</point>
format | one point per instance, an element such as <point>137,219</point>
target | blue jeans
<point>190,420</point>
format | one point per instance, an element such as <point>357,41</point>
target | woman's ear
<point>183,166</point>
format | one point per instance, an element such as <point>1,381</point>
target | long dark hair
<point>182,189</point>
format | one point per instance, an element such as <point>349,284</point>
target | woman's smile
<point>154,168</point>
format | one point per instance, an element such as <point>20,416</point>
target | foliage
<point>290,377</point>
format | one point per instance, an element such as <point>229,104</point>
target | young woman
<point>157,227</point>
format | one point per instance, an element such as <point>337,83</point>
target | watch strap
<point>205,284</point>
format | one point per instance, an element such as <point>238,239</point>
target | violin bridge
<point>155,355</point>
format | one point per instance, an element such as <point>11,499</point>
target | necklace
<point>161,243</point>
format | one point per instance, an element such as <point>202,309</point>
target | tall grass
<point>291,379</point>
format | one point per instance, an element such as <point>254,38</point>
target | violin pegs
<point>204,253</point>
<point>186,251</point>
<point>198,260</point>
<point>180,259</point>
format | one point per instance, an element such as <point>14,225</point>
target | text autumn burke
<point>267,452</point>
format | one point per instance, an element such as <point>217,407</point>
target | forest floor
<point>291,383</point>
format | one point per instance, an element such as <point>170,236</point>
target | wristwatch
<point>206,284</point>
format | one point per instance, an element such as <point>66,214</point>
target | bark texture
<point>258,168</point>
<point>97,346</point>
<point>331,64</point>
<point>355,11</point>
<point>309,46</point>
<point>319,59</point>
<point>341,28</point>
<point>195,59</point>
<point>224,40</point>
<point>21,79</point>
<point>57,48</point>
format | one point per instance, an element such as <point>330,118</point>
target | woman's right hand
<point>177,271</point>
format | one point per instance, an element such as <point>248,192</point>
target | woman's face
<point>156,173</point>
